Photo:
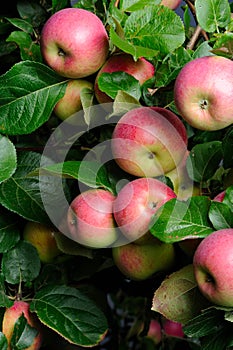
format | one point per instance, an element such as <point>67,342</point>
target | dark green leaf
<point>8,161</point>
<point>9,230</point>
<point>23,334</point>
<point>220,215</point>
<point>87,97</point>
<point>212,14</point>
<point>29,92</point>
<point>228,198</point>
<point>3,342</point>
<point>111,83</point>
<point>177,220</point>
<point>32,11</point>
<point>28,49</point>
<point>204,160</point>
<point>134,5</point>
<point>21,263</point>
<point>71,314</point>
<point>4,300</point>
<point>21,24</point>
<point>227,145</point>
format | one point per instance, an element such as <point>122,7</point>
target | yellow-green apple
<point>203,90</point>
<point>172,328</point>
<point>172,4</point>
<point>74,43</point>
<point>183,186</point>
<point>213,267</point>
<point>145,142</point>
<point>141,70</point>
<point>154,331</point>
<point>136,203</point>
<point>90,218</point>
<point>71,102</point>
<point>141,261</point>
<point>42,237</point>
<point>12,314</point>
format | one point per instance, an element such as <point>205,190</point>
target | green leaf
<point>212,14</point>
<point>87,98</point>
<point>3,342</point>
<point>21,263</point>
<point>220,215</point>
<point>23,335</point>
<point>156,28</point>
<point>28,49</point>
<point>29,92</point>
<point>178,297</point>
<point>21,24</point>
<point>111,83</point>
<point>9,230</point>
<point>177,220</point>
<point>227,145</point>
<point>56,306</point>
<point>228,198</point>
<point>4,300</point>
<point>134,5</point>
<point>22,193</point>
<point>8,160</point>
<point>203,160</point>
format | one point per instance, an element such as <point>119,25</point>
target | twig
<point>194,37</point>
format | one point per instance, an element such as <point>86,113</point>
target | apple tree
<point>79,294</point>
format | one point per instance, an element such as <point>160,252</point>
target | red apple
<point>220,196</point>
<point>172,328</point>
<point>74,43</point>
<point>10,317</point>
<point>155,331</point>
<point>203,92</point>
<point>146,142</point>
<point>172,4</point>
<point>141,70</point>
<point>90,218</point>
<point>141,261</point>
<point>213,267</point>
<point>136,203</point>
<point>71,103</point>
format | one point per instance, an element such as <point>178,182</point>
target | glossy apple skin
<point>140,262</point>
<point>12,314</point>
<point>136,203</point>
<point>74,43</point>
<point>71,103</point>
<point>90,218</point>
<point>141,70</point>
<point>146,143</point>
<point>172,4</point>
<point>213,267</point>
<point>203,92</point>
<point>42,238</point>
<point>172,328</point>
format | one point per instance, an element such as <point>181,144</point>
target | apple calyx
<point>204,104</point>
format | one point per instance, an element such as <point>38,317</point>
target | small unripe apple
<point>213,267</point>
<point>74,43</point>
<point>10,317</point>
<point>140,262</point>
<point>71,103</point>
<point>172,328</point>
<point>42,237</point>
<point>141,70</point>
<point>90,218</point>
<point>172,4</point>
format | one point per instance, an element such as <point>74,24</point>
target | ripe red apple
<point>203,91</point>
<point>172,4</point>
<point>154,331</point>
<point>172,328</point>
<point>141,70</point>
<point>90,218</point>
<point>141,261</point>
<point>71,103</point>
<point>213,267</point>
<point>74,43</point>
<point>42,237</point>
<point>10,317</point>
<point>220,196</point>
<point>136,203</point>
<point>146,142</point>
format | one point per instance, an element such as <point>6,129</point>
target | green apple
<point>140,262</point>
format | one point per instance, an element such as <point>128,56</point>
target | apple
<point>213,267</point>
<point>74,43</point>
<point>10,317</point>
<point>141,261</point>
<point>154,331</point>
<point>90,218</point>
<point>141,70</point>
<point>172,4</point>
<point>145,142</point>
<point>42,237</point>
<point>136,203</point>
<point>203,90</point>
<point>71,103</point>
<point>172,328</point>
<point>220,196</point>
